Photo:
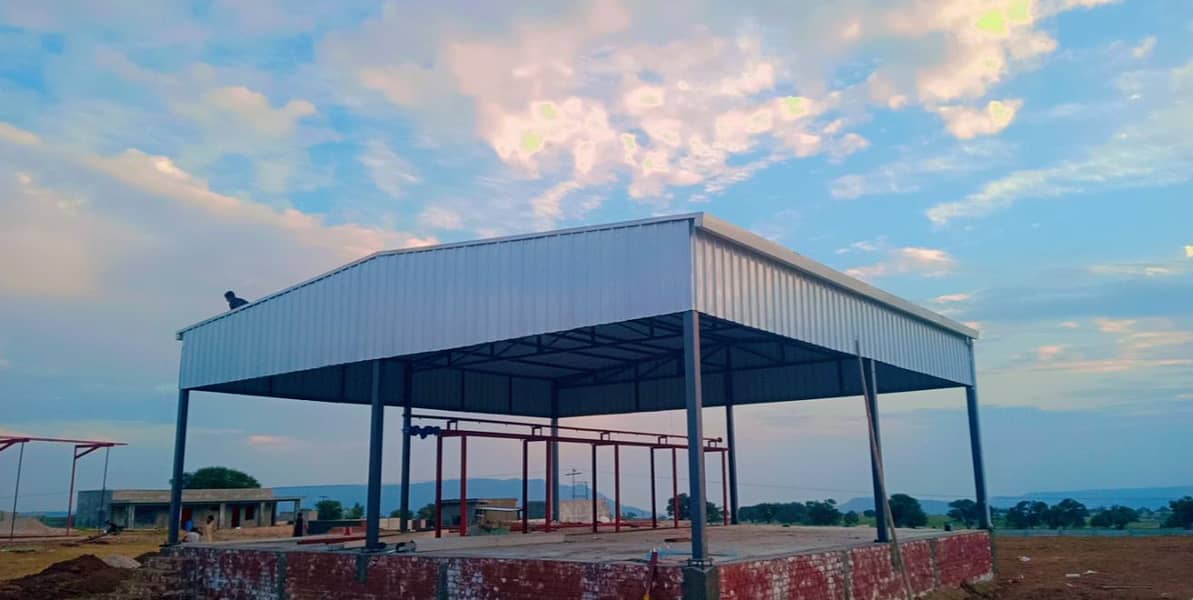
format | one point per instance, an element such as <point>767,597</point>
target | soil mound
<point>77,577</point>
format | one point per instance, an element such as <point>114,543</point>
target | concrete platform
<point>749,561</point>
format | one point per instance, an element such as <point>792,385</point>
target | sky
<point>1022,166</point>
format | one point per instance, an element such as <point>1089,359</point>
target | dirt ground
<point>30,556</point>
<point>1088,569</point>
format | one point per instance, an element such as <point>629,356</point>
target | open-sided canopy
<point>577,322</point>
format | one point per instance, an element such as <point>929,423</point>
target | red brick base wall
<point>861,573</point>
<point>855,574</point>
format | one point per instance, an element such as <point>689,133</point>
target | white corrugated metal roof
<point>465,297</point>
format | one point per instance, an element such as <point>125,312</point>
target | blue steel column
<point>695,405</point>
<point>555,450</point>
<point>376,434</point>
<point>407,404</point>
<point>876,453</point>
<point>730,436</point>
<point>975,444</point>
<point>184,400</point>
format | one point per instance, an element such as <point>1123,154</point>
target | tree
<point>1182,513</point>
<point>869,512</point>
<point>822,513</point>
<point>1116,516</point>
<point>711,511</point>
<point>1027,515</point>
<point>850,518</point>
<point>907,512</point>
<point>773,512</point>
<point>427,513</point>
<point>964,511</point>
<point>397,514</point>
<point>329,510</point>
<point>356,512</point>
<point>1066,513</point>
<point>218,478</point>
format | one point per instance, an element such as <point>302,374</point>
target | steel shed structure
<point>677,312</point>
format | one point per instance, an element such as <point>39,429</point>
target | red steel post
<point>594,488</point>
<point>550,487</point>
<point>616,487</point>
<point>654,503</point>
<point>525,489</point>
<point>674,489</point>
<point>438,486</point>
<point>464,515</point>
<point>724,487</point>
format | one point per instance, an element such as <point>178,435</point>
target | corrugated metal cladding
<point>410,302</point>
<point>738,284</point>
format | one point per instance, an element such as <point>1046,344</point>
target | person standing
<point>210,527</point>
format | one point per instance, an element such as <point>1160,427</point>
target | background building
<point>150,509</point>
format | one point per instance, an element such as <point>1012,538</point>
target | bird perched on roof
<point>233,301</point>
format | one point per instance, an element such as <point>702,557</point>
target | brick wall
<point>864,573</point>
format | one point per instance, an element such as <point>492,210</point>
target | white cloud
<point>952,298</point>
<point>1115,325</point>
<point>1156,151</point>
<point>1145,47</point>
<point>1047,353</point>
<point>240,107</point>
<point>917,167</point>
<point>1188,251</point>
<point>1069,325</point>
<point>1136,269</point>
<point>390,172</point>
<point>439,217</point>
<point>911,260</point>
<point>15,135</point>
<point>966,123</point>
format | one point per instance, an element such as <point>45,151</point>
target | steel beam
<point>376,437</point>
<point>464,486</point>
<point>730,438</point>
<point>876,454</point>
<point>975,444</point>
<point>695,404</point>
<point>407,406</point>
<point>184,398</point>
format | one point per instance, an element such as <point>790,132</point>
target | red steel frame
<point>81,448</point>
<point>661,442</point>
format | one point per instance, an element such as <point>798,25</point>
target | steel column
<point>550,485</point>
<point>730,436</point>
<point>975,444</point>
<point>464,486</point>
<point>724,488</point>
<point>438,486</point>
<point>554,445</point>
<point>876,454</point>
<point>616,487</point>
<point>525,487</point>
<point>407,399</point>
<point>16,493</point>
<point>695,405</point>
<point>376,435</point>
<point>184,398</point>
<point>654,503</point>
<point>674,489</point>
<point>594,488</point>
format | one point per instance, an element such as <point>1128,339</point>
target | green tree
<point>907,512</point>
<point>427,512</point>
<point>1026,515</point>
<point>218,478</point>
<point>711,511</point>
<point>1182,513</point>
<point>964,511</point>
<point>1116,516</point>
<point>1066,513</point>
<point>397,514</point>
<point>356,512</point>
<point>869,512</point>
<point>822,513</point>
<point>329,510</point>
<point>850,518</point>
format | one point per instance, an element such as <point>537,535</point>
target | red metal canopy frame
<point>81,448</point>
<point>658,441</point>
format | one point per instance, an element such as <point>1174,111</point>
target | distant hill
<point>1152,498</point>
<point>423,493</point>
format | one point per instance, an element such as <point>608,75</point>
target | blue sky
<point>1022,166</point>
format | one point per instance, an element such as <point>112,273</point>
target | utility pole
<point>573,473</point>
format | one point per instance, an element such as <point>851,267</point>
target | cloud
<point>952,298</point>
<point>966,123</point>
<point>438,217</point>
<point>1115,325</point>
<point>15,135</point>
<point>390,172</point>
<point>240,107</point>
<point>1145,47</point>
<point>1137,269</point>
<point>1047,353</point>
<point>1069,325</point>
<point>919,166</point>
<point>1155,151</point>
<point>1188,251</point>
<point>911,260</point>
